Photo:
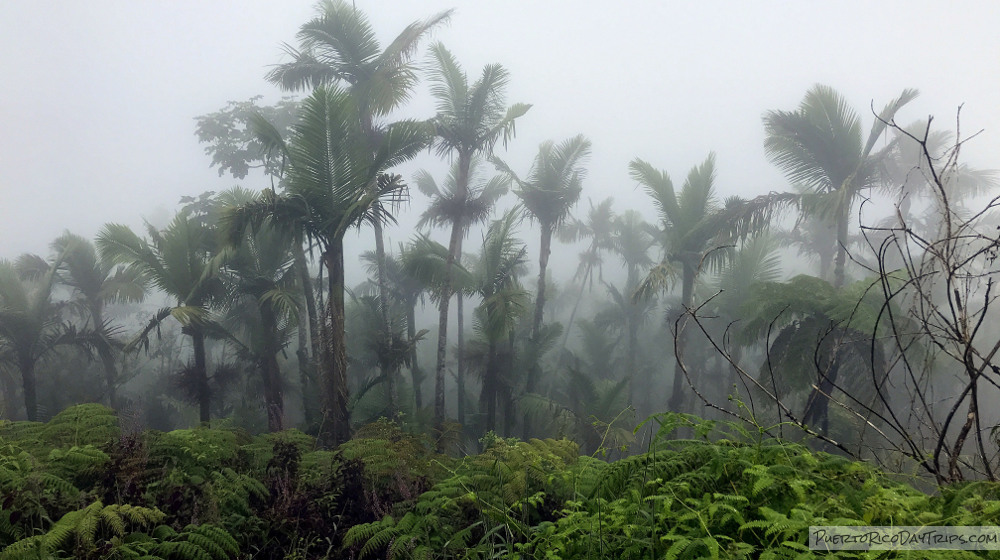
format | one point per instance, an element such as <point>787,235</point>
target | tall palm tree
<point>820,147</point>
<point>470,120</point>
<point>696,232</point>
<point>599,229</point>
<point>425,262</point>
<point>97,282</point>
<point>30,324</point>
<point>406,290</point>
<point>329,177</point>
<point>551,188</point>
<point>339,46</point>
<point>177,261</point>
<point>262,300</point>
<point>448,208</point>
<point>503,299</point>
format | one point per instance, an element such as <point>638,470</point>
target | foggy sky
<point>98,99</point>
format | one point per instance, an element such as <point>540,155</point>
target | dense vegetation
<point>76,487</point>
<point>245,401</point>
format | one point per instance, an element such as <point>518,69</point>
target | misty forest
<point>535,370</point>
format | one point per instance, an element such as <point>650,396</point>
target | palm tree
<point>425,261</point>
<point>262,300</point>
<point>695,231</point>
<point>177,261</point>
<point>503,299</point>
<point>98,282</point>
<point>339,45</point>
<point>757,261</point>
<point>599,229</point>
<point>820,147</point>
<point>448,208</point>
<point>551,188</point>
<point>30,323</point>
<point>329,178</point>
<point>406,290</point>
<point>470,120</point>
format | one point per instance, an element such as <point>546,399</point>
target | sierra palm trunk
<point>29,387</point>
<point>389,371</point>
<point>677,400</point>
<point>334,363</point>
<point>201,374</point>
<point>490,383</point>
<point>271,373</point>
<point>308,345</point>
<point>841,248</point>
<point>536,324</point>
<point>454,245</point>
<point>110,375</point>
<point>460,350</point>
<point>411,334</point>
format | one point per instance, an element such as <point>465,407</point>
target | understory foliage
<point>75,487</point>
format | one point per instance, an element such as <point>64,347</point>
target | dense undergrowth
<point>75,487</point>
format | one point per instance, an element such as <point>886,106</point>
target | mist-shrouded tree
<point>97,282</point>
<point>495,281</point>
<point>449,208</point>
<point>231,142</point>
<point>598,228</point>
<point>339,47</point>
<point>236,148</point>
<point>470,120</point>
<point>329,178</point>
<point>262,300</point>
<point>697,233</point>
<point>910,178</point>
<point>820,344</point>
<point>405,292</point>
<point>548,192</point>
<point>30,321</point>
<point>176,260</point>
<point>821,148</point>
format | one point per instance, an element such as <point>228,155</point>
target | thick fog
<point>99,98</point>
<point>97,126</point>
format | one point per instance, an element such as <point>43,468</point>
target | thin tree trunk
<point>633,342</point>
<point>307,321</point>
<point>201,375</point>
<point>388,371</point>
<point>335,361</point>
<point>543,263</point>
<point>536,325</point>
<point>677,400</point>
<point>29,388</point>
<point>110,376</point>
<point>572,316</point>
<point>460,357</point>
<point>490,387</point>
<point>274,400</point>
<point>508,417</point>
<point>303,357</point>
<point>415,374</point>
<point>461,184</point>
<point>460,350</point>
<point>439,409</point>
<point>838,265</point>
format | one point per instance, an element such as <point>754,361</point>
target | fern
<point>83,529</point>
